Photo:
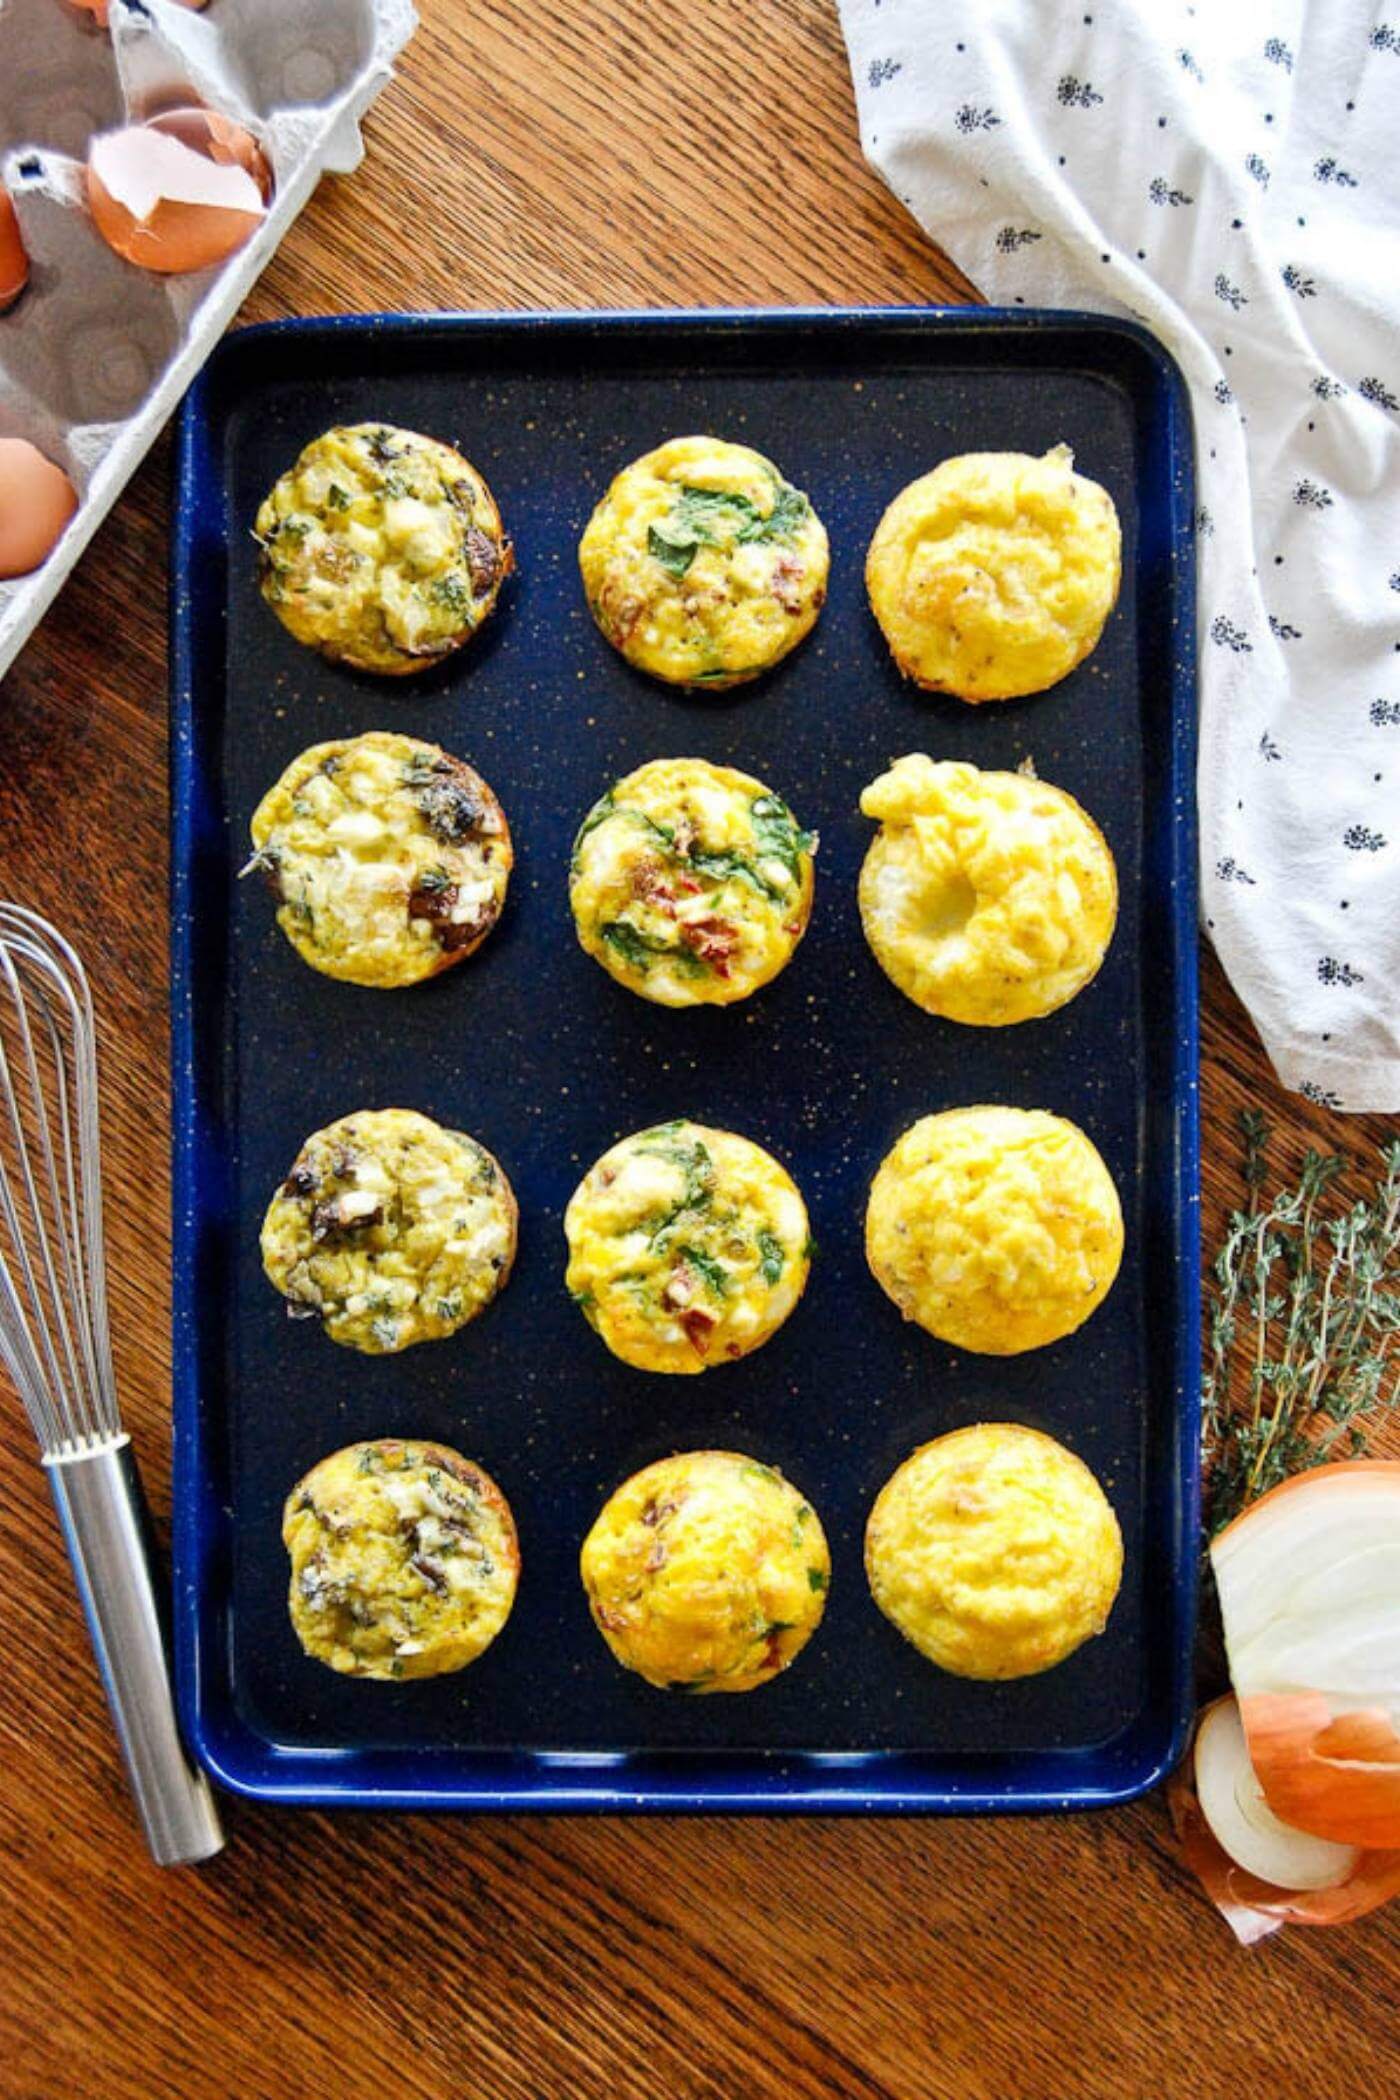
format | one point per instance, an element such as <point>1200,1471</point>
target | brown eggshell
<point>178,232</point>
<point>14,263</point>
<point>99,9</point>
<point>36,501</point>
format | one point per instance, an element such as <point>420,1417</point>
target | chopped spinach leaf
<point>670,546</point>
<point>634,947</point>
<point>818,1580</point>
<point>705,1265</point>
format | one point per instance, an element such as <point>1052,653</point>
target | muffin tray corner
<point>532,1048</point>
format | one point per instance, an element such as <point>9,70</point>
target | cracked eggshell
<point>14,263</point>
<point>180,193</point>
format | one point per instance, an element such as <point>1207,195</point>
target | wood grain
<point>578,153</point>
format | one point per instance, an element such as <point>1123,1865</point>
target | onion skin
<point>1326,1765</point>
<point>1335,1774</point>
<point>1253,1908</point>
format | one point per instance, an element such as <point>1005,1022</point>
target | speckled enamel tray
<point>531,1047</point>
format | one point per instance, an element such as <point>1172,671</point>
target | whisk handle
<point>106,1525</point>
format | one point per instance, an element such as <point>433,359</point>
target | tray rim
<point>699,1781</point>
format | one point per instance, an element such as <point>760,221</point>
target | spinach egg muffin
<point>995,1551</point>
<point>702,565</point>
<point>706,1572</point>
<point>404,1559</point>
<point>390,1231</point>
<point>993,575</point>
<point>691,883</point>
<point>388,858</point>
<point>687,1247</point>
<point>988,898</point>
<point>382,548</point>
<point>997,1229</point>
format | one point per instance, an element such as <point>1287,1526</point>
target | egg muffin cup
<point>688,1247</point>
<point>992,576</point>
<point>706,1572</point>
<point>994,1551</point>
<point>702,565</point>
<point>691,883</point>
<point>405,1559</point>
<point>988,898</point>
<point>389,858</point>
<point>390,1230</point>
<point>381,548</point>
<point>996,1229</point>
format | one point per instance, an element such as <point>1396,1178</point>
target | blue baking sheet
<point>531,1047</point>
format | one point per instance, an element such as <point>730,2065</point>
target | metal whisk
<point>56,1346</point>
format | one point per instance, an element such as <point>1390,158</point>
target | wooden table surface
<point>575,153</point>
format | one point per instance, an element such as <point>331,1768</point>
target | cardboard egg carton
<point>97,352</point>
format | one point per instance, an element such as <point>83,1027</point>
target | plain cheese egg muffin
<point>995,1551</point>
<point>988,898</point>
<point>691,883</point>
<point>993,575</point>
<point>382,548</point>
<point>702,565</point>
<point>997,1229</point>
<point>388,858</point>
<point>404,1559</point>
<point>390,1230</point>
<point>687,1247</point>
<point>706,1572</point>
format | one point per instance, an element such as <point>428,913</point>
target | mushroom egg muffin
<point>702,565</point>
<point>691,883</point>
<point>988,898</point>
<point>389,859</point>
<point>382,548</point>
<point>706,1572</point>
<point>404,1559</point>
<point>993,575</point>
<point>997,1229</point>
<point>995,1551</point>
<point>687,1247</point>
<point>390,1231</point>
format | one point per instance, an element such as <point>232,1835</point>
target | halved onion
<point>1309,1584</point>
<point>1232,1802</point>
<point>1217,1772</point>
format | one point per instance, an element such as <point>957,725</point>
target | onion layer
<point>1309,1583</point>
<point>1252,1906</point>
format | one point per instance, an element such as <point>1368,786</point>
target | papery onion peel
<point>1309,1584</point>
<point>1252,1906</point>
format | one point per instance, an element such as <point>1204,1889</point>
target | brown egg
<point>36,501</point>
<point>14,263</point>
<point>180,192</point>
<point>99,9</point>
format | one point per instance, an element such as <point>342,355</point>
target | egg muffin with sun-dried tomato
<point>389,858</point>
<point>702,565</point>
<point>706,1572</point>
<point>993,575</point>
<point>382,548</point>
<point>404,1559</point>
<point>390,1230</point>
<point>691,883</point>
<point>688,1247</point>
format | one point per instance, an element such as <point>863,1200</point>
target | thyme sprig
<point>1304,1305</point>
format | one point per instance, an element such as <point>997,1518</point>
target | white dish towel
<point>1230,174</point>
